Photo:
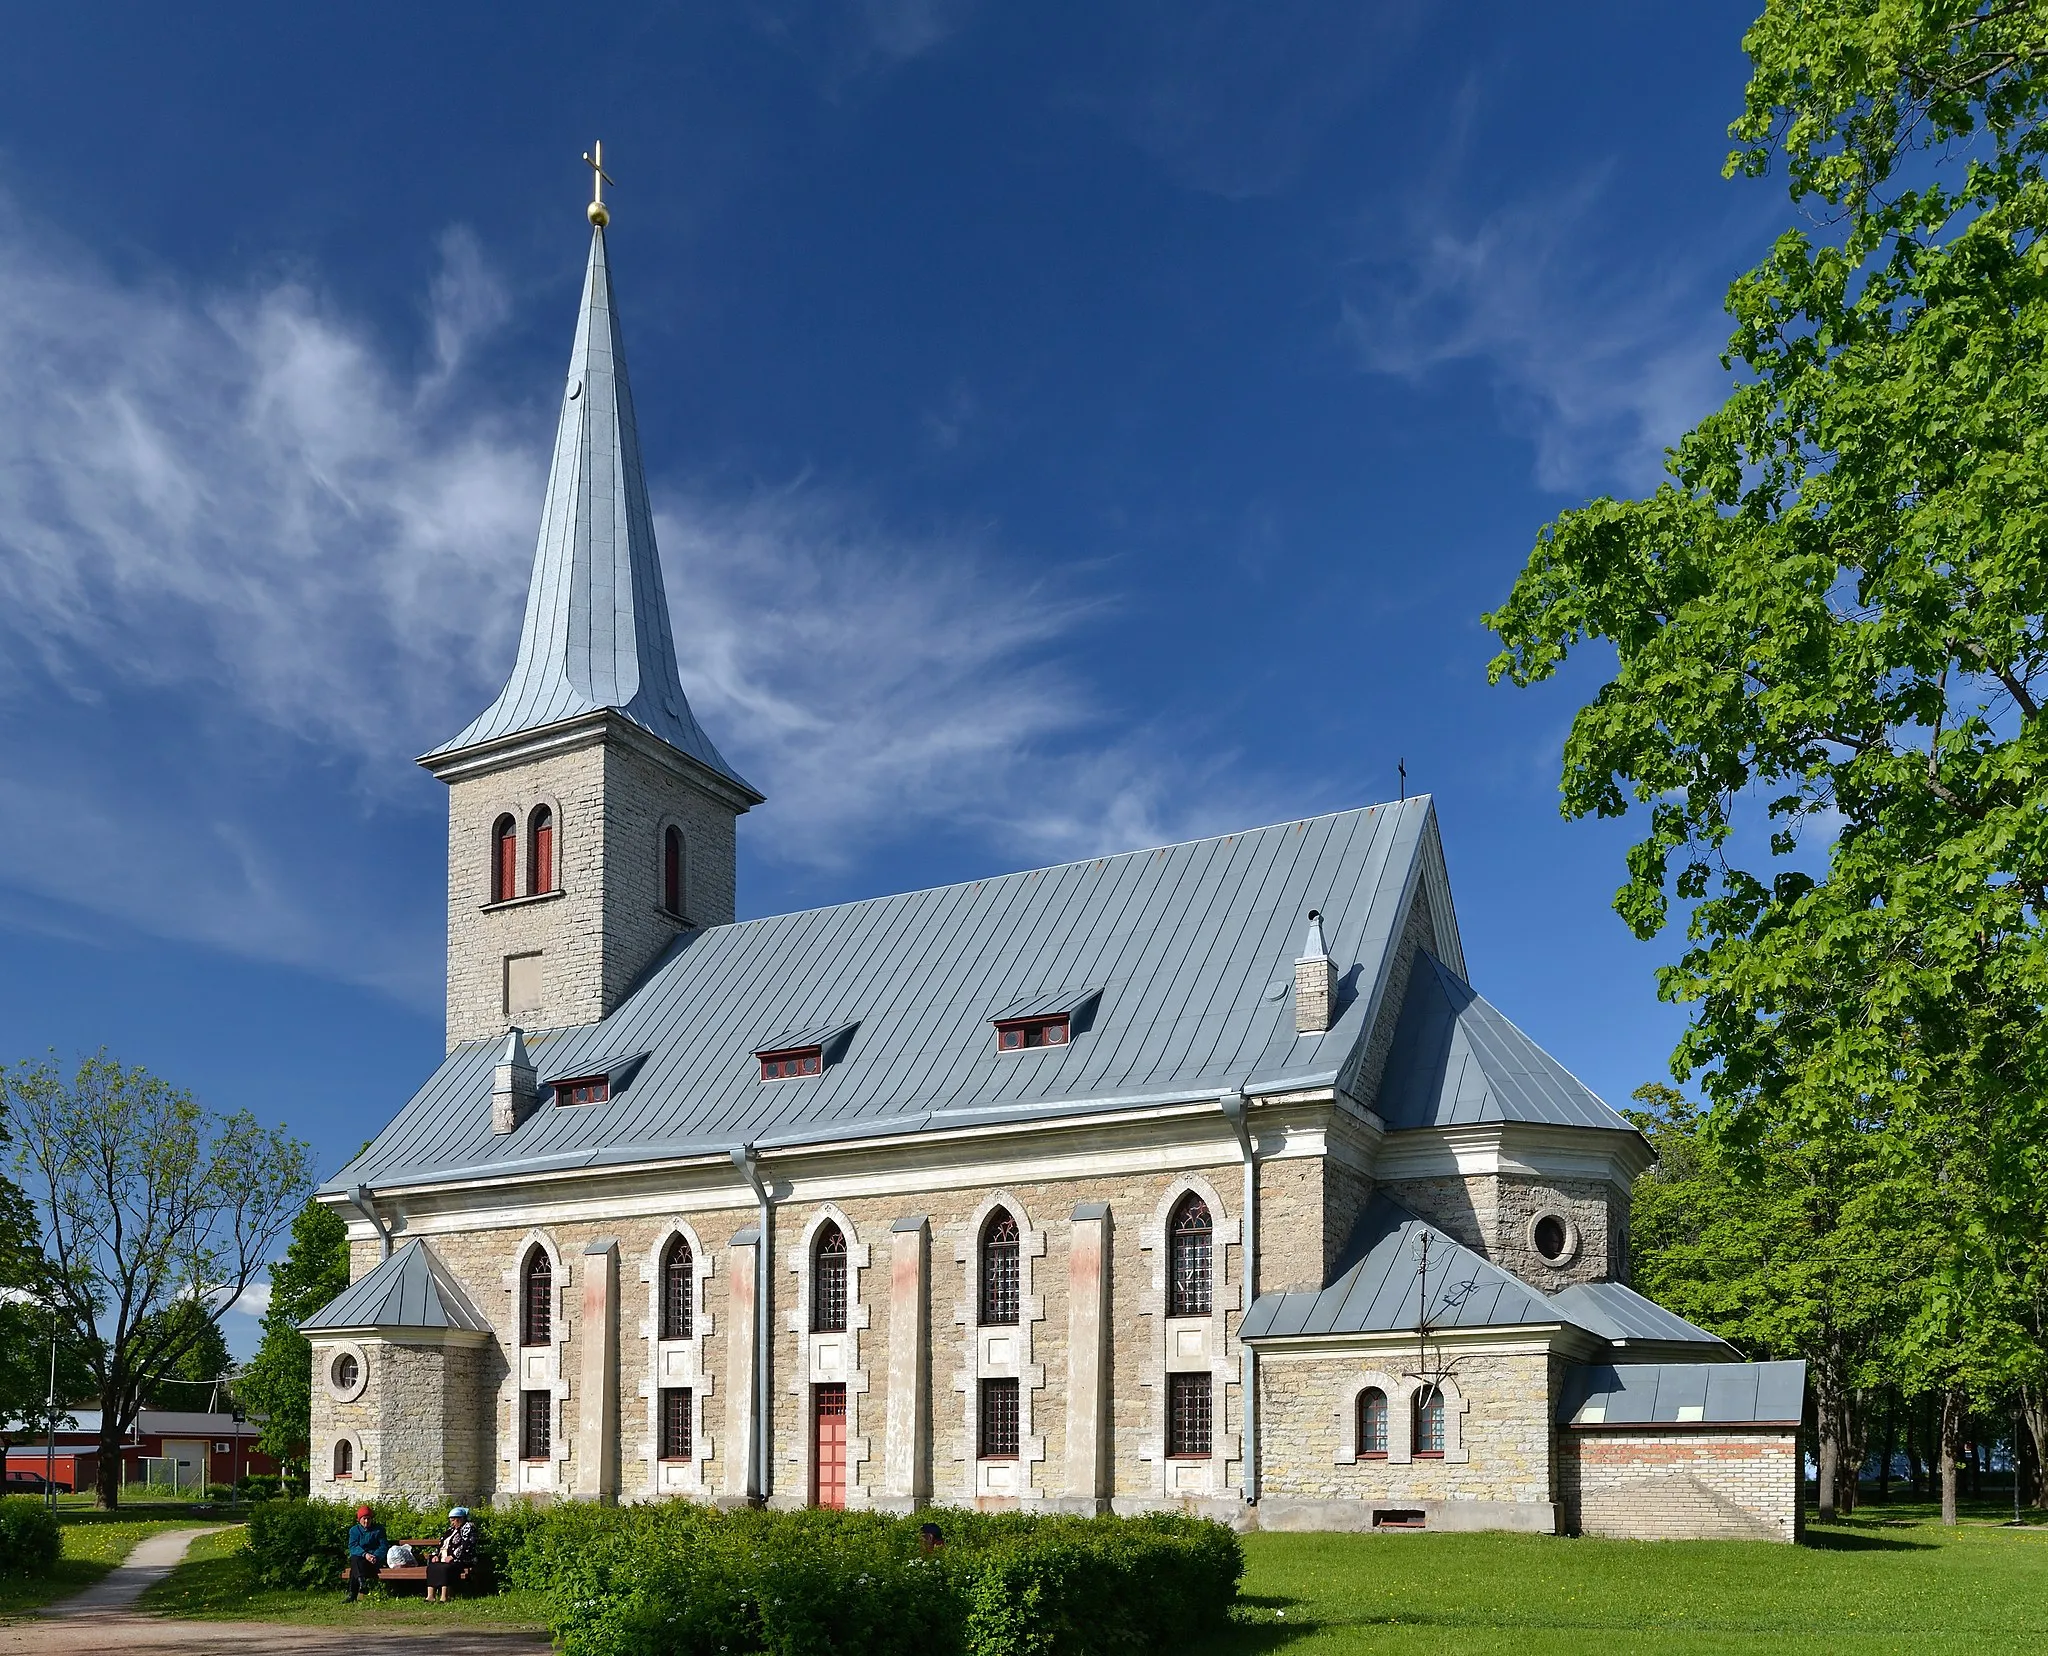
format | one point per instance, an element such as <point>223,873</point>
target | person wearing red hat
<point>366,1544</point>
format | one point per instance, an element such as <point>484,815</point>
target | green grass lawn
<point>93,1544</point>
<point>1890,1579</point>
<point>216,1583</point>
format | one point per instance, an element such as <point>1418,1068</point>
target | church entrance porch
<point>828,1446</point>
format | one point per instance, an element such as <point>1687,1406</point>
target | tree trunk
<point>1890,1443</point>
<point>1829,1406</point>
<point>1952,1417</point>
<point>107,1478</point>
<point>2034,1411</point>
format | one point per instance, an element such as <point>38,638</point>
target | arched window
<point>504,860</point>
<point>828,1281</point>
<point>1000,1281</point>
<point>540,853</point>
<point>536,1298</point>
<point>344,1458</point>
<point>1372,1422</point>
<point>676,1283</point>
<point>1429,1421</point>
<point>1189,1248</point>
<point>672,871</point>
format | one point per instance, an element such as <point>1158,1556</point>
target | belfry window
<point>504,860</point>
<point>672,871</point>
<point>540,853</point>
<point>1000,1279</point>
<point>536,1299</point>
<point>1372,1423</point>
<point>676,1282</point>
<point>1190,1254</point>
<point>828,1281</point>
<point>1429,1422</point>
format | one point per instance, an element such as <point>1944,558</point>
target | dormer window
<point>1021,1034</point>
<point>593,1089</point>
<point>784,1066</point>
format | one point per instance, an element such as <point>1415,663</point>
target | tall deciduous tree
<point>1831,654</point>
<point>278,1383</point>
<point>156,1216</point>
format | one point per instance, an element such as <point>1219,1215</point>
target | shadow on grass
<point>1261,1623</point>
<point>1848,1540</point>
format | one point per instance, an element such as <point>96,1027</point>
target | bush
<point>305,1543</point>
<point>29,1541</point>
<point>259,1486</point>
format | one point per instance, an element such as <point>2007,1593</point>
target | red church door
<point>828,1447</point>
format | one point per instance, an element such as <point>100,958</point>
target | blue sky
<point>1072,428</point>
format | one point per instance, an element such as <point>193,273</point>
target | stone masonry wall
<point>1491,1213</point>
<point>418,1421</point>
<point>1674,1485</point>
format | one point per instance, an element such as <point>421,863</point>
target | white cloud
<point>1603,362</point>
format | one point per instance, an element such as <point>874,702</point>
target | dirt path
<point>102,1620</point>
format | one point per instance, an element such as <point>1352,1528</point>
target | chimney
<point>513,1093</point>
<point>1315,981</point>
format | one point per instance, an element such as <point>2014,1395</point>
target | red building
<point>206,1447</point>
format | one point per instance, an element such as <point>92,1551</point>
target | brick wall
<point>1678,1484</point>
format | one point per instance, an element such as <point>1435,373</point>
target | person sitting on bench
<point>366,1544</point>
<point>458,1554</point>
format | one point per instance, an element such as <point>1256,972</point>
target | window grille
<point>1372,1421</point>
<point>675,1423</point>
<point>828,1282</point>
<point>540,856</point>
<point>1429,1421</point>
<point>1191,1249</point>
<point>537,1303</point>
<point>504,860</point>
<point>593,1091</point>
<point>999,1270</point>
<point>1018,1034</point>
<point>676,1285</point>
<point>537,1429</point>
<point>672,871</point>
<point>1187,1414</point>
<point>999,1420</point>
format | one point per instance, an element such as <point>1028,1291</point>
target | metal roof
<point>1379,1286</point>
<point>1185,942</point>
<point>1616,1312</point>
<point>596,633</point>
<point>1456,1061</point>
<point>1683,1394</point>
<point>411,1289</point>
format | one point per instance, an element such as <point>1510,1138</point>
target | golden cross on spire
<point>593,158</point>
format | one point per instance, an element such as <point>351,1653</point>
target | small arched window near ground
<point>540,854</point>
<point>676,1281</point>
<point>346,1371</point>
<point>1190,1252</point>
<point>1429,1422</point>
<point>344,1458</point>
<point>1372,1423</point>
<point>536,1298</point>
<point>672,871</point>
<point>504,860</point>
<point>1000,1279</point>
<point>828,1281</point>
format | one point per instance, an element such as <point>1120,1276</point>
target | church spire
<point>596,634</point>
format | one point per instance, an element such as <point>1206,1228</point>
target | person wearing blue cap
<point>457,1555</point>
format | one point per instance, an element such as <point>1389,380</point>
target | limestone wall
<point>1492,1213</point>
<point>1680,1484</point>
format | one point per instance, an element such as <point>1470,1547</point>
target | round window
<point>346,1371</point>
<point>1554,1237</point>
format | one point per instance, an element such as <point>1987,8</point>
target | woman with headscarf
<point>458,1554</point>
<point>366,1544</point>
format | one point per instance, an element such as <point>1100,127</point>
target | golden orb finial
<point>597,212</point>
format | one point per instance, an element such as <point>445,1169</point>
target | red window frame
<point>589,1089</point>
<point>828,1281</point>
<point>1000,1276</point>
<point>1428,1404</point>
<point>1025,1034</point>
<point>1373,1424</point>
<point>537,1300</point>
<point>504,860</point>
<point>790,1064</point>
<point>540,856</point>
<point>1191,1254</point>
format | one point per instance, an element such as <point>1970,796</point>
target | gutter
<point>364,1200</point>
<point>748,1162</point>
<point>1232,1105</point>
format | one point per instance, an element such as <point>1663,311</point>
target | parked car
<point>33,1483</point>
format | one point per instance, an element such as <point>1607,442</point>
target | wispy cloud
<point>1603,361</point>
<point>250,564</point>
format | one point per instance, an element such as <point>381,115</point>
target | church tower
<point>590,819</point>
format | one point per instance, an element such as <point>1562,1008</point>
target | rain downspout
<point>364,1200</point>
<point>1233,1106</point>
<point>749,1165</point>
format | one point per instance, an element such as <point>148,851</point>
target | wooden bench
<point>406,1575</point>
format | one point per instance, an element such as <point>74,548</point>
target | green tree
<point>201,1374</point>
<point>278,1383</point>
<point>148,1204</point>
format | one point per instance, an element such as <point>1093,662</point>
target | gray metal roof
<point>1185,942</point>
<point>1683,1394</point>
<point>1616,1312</point>
<point>596,633</point>
<point>1379,1286</point>
<point>1456,1061</point>
<point>411,1289</point>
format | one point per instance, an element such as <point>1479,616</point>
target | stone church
<point>1197,1177</point>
